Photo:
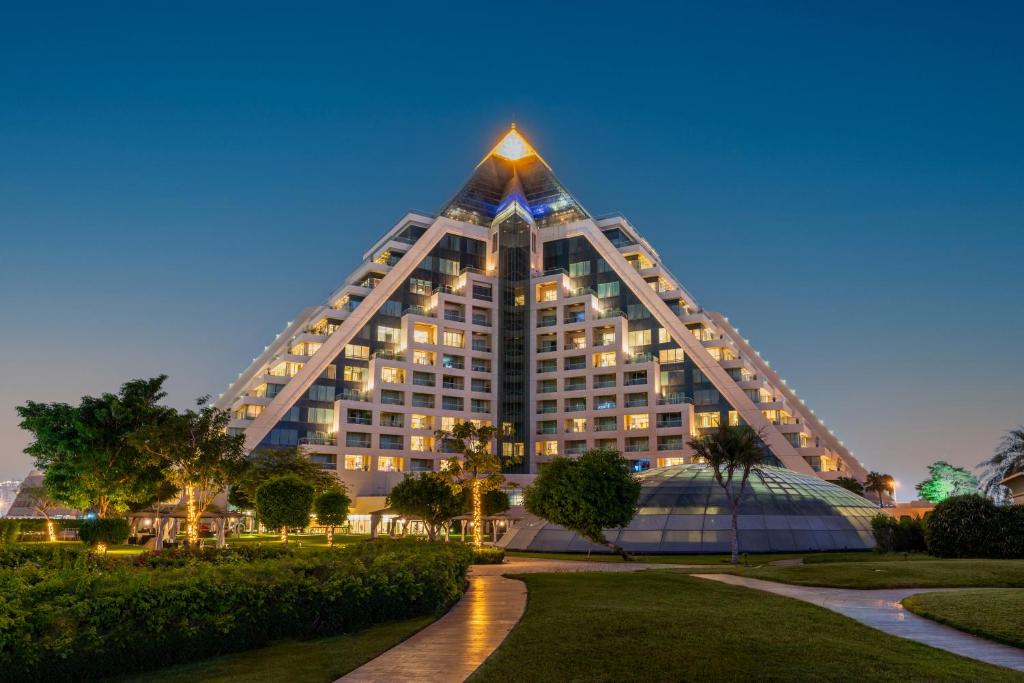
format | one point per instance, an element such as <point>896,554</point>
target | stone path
<point>882,610</point>
<point>454,646</point>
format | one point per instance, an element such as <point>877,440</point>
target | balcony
<point>454,316</point>
<point>423,382</point>
<point>636,448</point>
<point>545,410</point>
<point>392,400</point>
<point>671,446</point>
<point>547,347</point>
<point>578,365</point>
<point>483,348</point>
<point>637,403</point>
<point>481,320</point>
<point>611,313</point>
<point>422,403</point>
<point>548,322</point>
<point>386,354</point>
<point>346,395</point>
<point>604,384</point>
<point>577,317</point>
<point>606,427</point>
<point>634,381</point>
<point>481,367</point>
<point>359,420</point>
<point>666,424</point>
<point>398,424</point>
<point>459,386</point>
<point>674,399</point>
<point>318,440</point>
<point>576,450</point>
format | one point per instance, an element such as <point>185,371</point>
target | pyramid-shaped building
<point>514,306</point>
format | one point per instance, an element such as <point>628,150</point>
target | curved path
<point>454,646</point>
<point>883,610</point>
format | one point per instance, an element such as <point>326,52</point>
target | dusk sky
<point>844,181</point>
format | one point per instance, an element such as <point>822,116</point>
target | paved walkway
<point>452,648</point>
<point>882,610</point>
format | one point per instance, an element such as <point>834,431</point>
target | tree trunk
<point>431,531</point>
<point>330,536</point>
<point>284,534</point>
<point>478,514</point>
<point>618,550</point>
<point>735,533</point>
<point>191,517</point>
<point>51,534</point>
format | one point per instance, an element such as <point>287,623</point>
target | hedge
<point>974,526</point>
<point>84,623</point>
<point>9,529</point>
<point>903,536</point>
<point>488,555</point>
<point>110,530</point>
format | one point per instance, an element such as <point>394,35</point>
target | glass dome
<point>682,509</point>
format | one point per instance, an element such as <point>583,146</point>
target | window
<point>422,401</point>
<point>360,463</point>
<point>418,286</point>
<point>605,424</point>
<point>392,308</point>
<point>319,392</point>
<point>547,406</point>
<point>639,338</point>
<point>579,268</point>
<point>388,335</point>
<point>637,312</point>
<point>607,289</point>
<point>637,444</point>
<point>481,365</point>
<point>248,412</point>
<point>330,372</point>
<point>421,444</point>
<point>482,386</point>
<point>359,417</point>
<point>392,420</point>
<point>421,465</point>
<point>423,334</point>
<point>448,423</point>
<point>575,404</point>
<point>604,360</point>
<point>734,418</point>
<point>575,383</point>
<point>323,416</point>
<point>602,266</point>
<point>547,427</point>
<point>392,398</point>
<point>547,386</point>
<point>607,443</point>
<point>392,375</point>
<point>452,403</point>
<point>576,425</point>
<point>705,397</point>
<point>357,439</point>
<point>423,357</point>
<point>547,448</point>
<point>389,463</point>
<point>392,442</point>
<point>547,365</point>
<point>636,400</point>
<point>604,403</point>
<point>423,379</point>
<point>357,351</point>
<point>640,421</point>
<point>707,420</point>
<point>663,336</point>
<point>452,382</point>
<point>575,362</point>
<point>293,415</point>
<point>479,405</point>
<point>604,381</point>
<point>354,373</point>
<point>453,362</point>
<point>670,355</point>
<point>635,377</point>
<point>417,421</point>
<point>670,420</point>
<point>447,266</point>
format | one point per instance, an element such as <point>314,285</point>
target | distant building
<point>22,506</point>
<point>8,492</point>
<point>1015,482</point>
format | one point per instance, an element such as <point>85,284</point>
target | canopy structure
<point>160,524</point>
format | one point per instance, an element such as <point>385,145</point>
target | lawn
<point>667,626</point>
<point>932,573</point>
<point>311,661</point>
<point>994,614</point>
<point>654,559</point>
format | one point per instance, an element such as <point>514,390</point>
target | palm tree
<point>728,450</point>
<point>1007,460</point>
<point>477,468</point>
<point>850,484</point>
<point>879,483</point>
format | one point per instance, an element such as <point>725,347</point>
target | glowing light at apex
<point>513,146</point>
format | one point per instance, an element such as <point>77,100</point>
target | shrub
<point>972,526</point>
<point>9,529</point>
<point>488,555</point>
<point>110,530</point>
<point>184,556</point>
<point>284,502</point>
<point>44,556</point>
<point>83,624</point>
<point>903,536</point>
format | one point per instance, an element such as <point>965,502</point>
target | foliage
<point>494,501</point>
<point>903,536</point>
<point>879,483</point>
<point>196,454</point>
<point>974,526</point>
<point>262,466</point>
<point>488,555</point>
<point>429,497</point>
<point>850,484</point>
<point>184,556</point>
<point>588,494</point>
<point>80,624</point>
<point>1007,460</point>
<point>478,467</point>
<point>945,481</point>
<point>285,502</point>
<point>84,451</point>
<point>728,450</point>
<point>107,530</point>
<point>9,529</point>
<point>331,509</point>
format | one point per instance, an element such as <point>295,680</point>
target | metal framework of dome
<point>682,509</point>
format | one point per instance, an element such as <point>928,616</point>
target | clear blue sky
<point>843,180</point>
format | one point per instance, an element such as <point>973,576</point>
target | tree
<point>850,484</point>
<point>588,494</point>
<point>946,481</point>
<point>494,502</point>
<point>262,466</point>
<point>477,468</point>
<point>42,502</point>
<point>84,452</point>
<point>197,455</point>
<point>1007,460</point>
<point>430,497</point>
<point>879,483</point>
<point>730,450</point>
<point>284,502</point>
<point>331,510</point>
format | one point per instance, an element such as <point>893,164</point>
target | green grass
<point>654,559</point>
<point>667,626</point>
<point>996,614</point>
<point>895,574</point>
<point>311,661</point>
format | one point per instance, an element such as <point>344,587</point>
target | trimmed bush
<point>488,555</point>
<point>79,624</point>
<point>903,536</point>
<point>9,529</point>
<point>184,556</point>
<point>974,526</point>
<point>111,531</point>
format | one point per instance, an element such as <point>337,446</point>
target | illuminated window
<point>424,334</point>
<point>663,336</point>
<point>579,268</point>
<point>706,397</point>
<point>707,420</point>
<point>576,425</point>
<point>389,463</point>
<point>454,338</point>
<point>734,418</point>
<point>670,355</point>
<point>513,450</point>
<point>547,448</point>
<point>639,338</point>
<point>448,266</point>
<point>607,289</point>
<point>421,421</point>
<point>605,338</point>
<point>423,357</point>
<point>392,375</point>
<point>448,423</point>
<point>248,412</point>
<point>357,463</point>
<point>421,444</point>
<point>668,462</point>
<point>323,416</point>
<point>388,335</point>
<point>417,286</point>
<point>355,374</point>
<point>547,292</point>
<point>604,360</point>
<point>639,421</point>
